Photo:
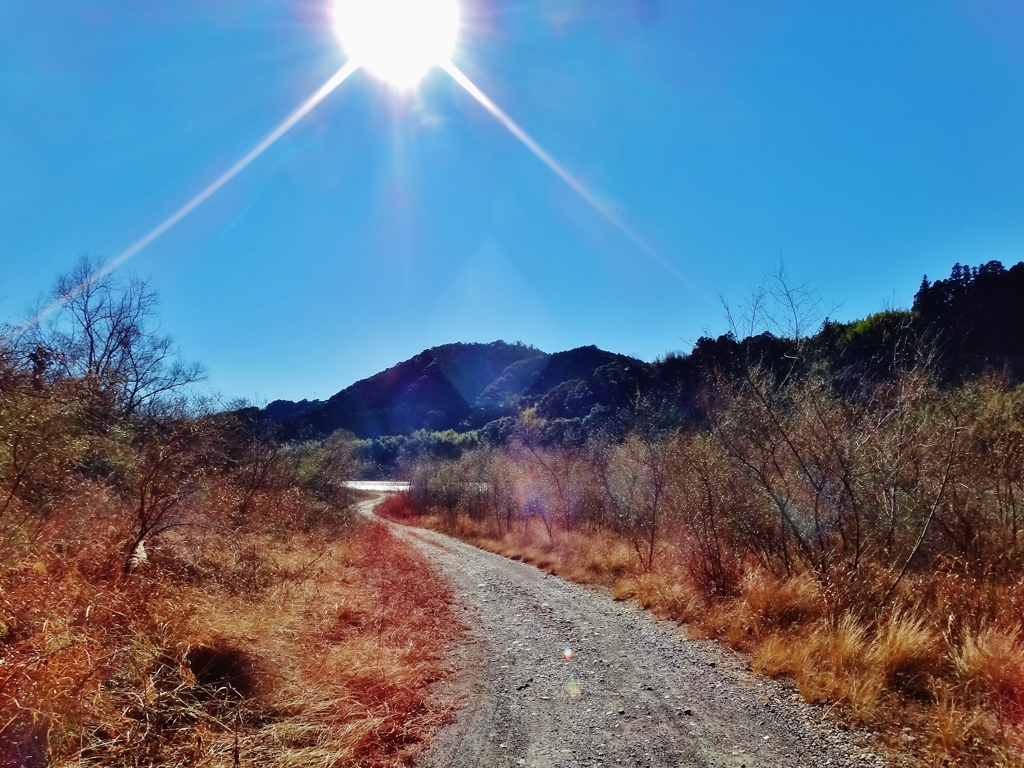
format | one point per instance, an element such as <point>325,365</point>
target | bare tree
<point>170,465</point>
<point>778,306</point>
<point>106,334</point>
<point>633,477</point>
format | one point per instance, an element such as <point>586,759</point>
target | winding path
<point>635,692</point>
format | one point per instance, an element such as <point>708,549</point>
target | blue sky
<point>865,144</point>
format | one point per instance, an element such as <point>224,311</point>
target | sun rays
<point>158,231</point>
<point>545,157</point>
<point>398,41</point>
<point>271,138</point>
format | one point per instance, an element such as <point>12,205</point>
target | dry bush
<point>775,604</point>
<point>990,667</point>
<point>907,651</point>
<point>600,557</point>
<point>844,661</point>
<point>396,506</point>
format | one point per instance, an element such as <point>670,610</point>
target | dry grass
<point>315,649</point>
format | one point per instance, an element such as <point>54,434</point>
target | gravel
<point>556,675</point>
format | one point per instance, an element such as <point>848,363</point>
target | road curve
<point>636,691</point>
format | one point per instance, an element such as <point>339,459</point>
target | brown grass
<point>315,649</point>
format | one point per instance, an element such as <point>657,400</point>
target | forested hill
<point>962,326</point>
<point>455,386</point>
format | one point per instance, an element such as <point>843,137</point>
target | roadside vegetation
<point>857,530</point>
<point>177,588</point>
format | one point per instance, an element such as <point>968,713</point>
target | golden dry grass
<point>314,650</point>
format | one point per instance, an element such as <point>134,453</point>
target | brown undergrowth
<point>178,587</point>
<point>938,688</point>
<point>311,649</point>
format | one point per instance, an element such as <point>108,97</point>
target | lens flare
<point>545,157</point>
<point>397,40</point>
<point>569,653</point>
<point>158,231</point>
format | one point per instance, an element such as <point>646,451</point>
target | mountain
<point>454,386</point>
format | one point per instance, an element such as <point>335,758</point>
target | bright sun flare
<point>397,40</point>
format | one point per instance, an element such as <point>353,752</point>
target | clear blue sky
<point>865,143</point>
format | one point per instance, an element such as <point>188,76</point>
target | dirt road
<point>635,692</point>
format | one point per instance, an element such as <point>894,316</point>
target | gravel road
<point>635,691</point>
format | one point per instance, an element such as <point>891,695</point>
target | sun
<point>397,40</point>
